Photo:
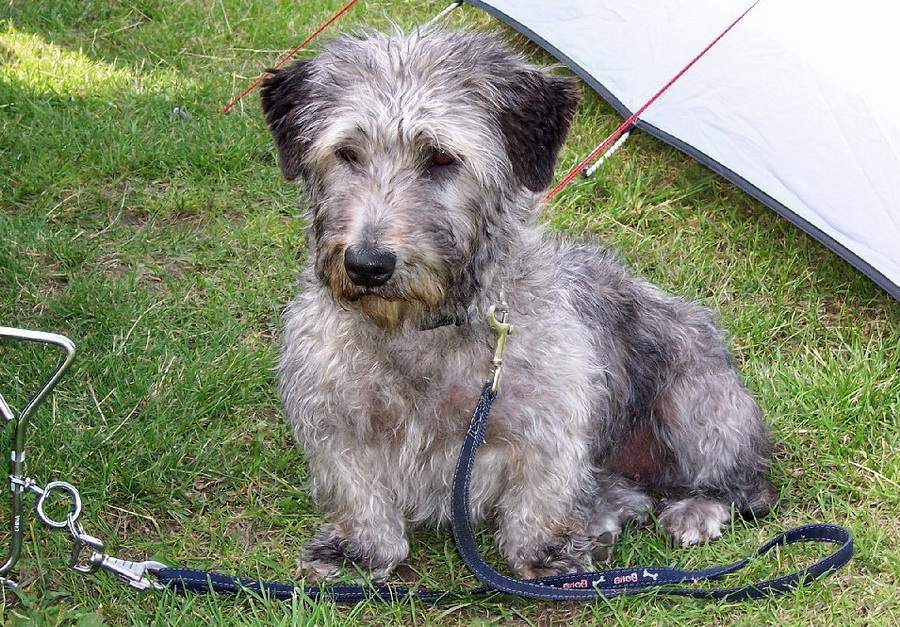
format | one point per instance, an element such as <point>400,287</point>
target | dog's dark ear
<point>284,94</point>
<point>534,124</point>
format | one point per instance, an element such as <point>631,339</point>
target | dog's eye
<point>347,154</point>
<point>441,157</point>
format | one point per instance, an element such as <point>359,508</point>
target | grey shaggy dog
<point>423,157</point>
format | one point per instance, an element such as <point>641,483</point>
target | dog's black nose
<point>368,266</point>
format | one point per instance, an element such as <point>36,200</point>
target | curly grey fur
<point>423,155</point>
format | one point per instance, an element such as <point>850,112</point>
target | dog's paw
<point>603,546</point>
<point>323,557</point>
<point>694,520</point>
<point>562,557</point>
<point>331,551</point>
<point>320,561</point>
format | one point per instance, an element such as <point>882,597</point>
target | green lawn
<point>158,234</point>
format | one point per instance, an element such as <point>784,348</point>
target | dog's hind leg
<point>613,503</point>
<point>721,448</point>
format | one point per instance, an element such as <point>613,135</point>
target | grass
<point>157,233</point>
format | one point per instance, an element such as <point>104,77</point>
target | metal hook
<point>18,484</point>
<point>498,319</point>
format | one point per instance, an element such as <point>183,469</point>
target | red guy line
<point>634,116</point>
<point>282,60</point>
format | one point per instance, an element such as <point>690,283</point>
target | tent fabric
<point>796,104</point>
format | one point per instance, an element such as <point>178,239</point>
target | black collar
<point>446,319</point>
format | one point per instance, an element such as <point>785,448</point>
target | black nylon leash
<point>574,587</point>
<point>617,582</point>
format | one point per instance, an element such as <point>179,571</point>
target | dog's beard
<point>391,306</point>
<point>389,315</point>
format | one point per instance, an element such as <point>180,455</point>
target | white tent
<point>798,104</point>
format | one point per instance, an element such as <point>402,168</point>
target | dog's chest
<point>434,382</point>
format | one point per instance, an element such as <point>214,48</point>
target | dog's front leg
<point>364,531</point>
<point>541,530</point>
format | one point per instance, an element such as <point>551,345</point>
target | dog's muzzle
<point>368,266</point>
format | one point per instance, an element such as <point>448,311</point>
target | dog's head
<point>416,151</point>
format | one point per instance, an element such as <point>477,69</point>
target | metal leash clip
<point>134,573</point>
<point>498,319</point>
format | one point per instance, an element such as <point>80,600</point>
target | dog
<point>422,158</point>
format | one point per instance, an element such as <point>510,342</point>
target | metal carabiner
<point>135,573</point>
<point>80,539</point>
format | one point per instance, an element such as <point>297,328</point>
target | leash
<point>574,587</point>
<point>621,581</point>
<point>88,554</point>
